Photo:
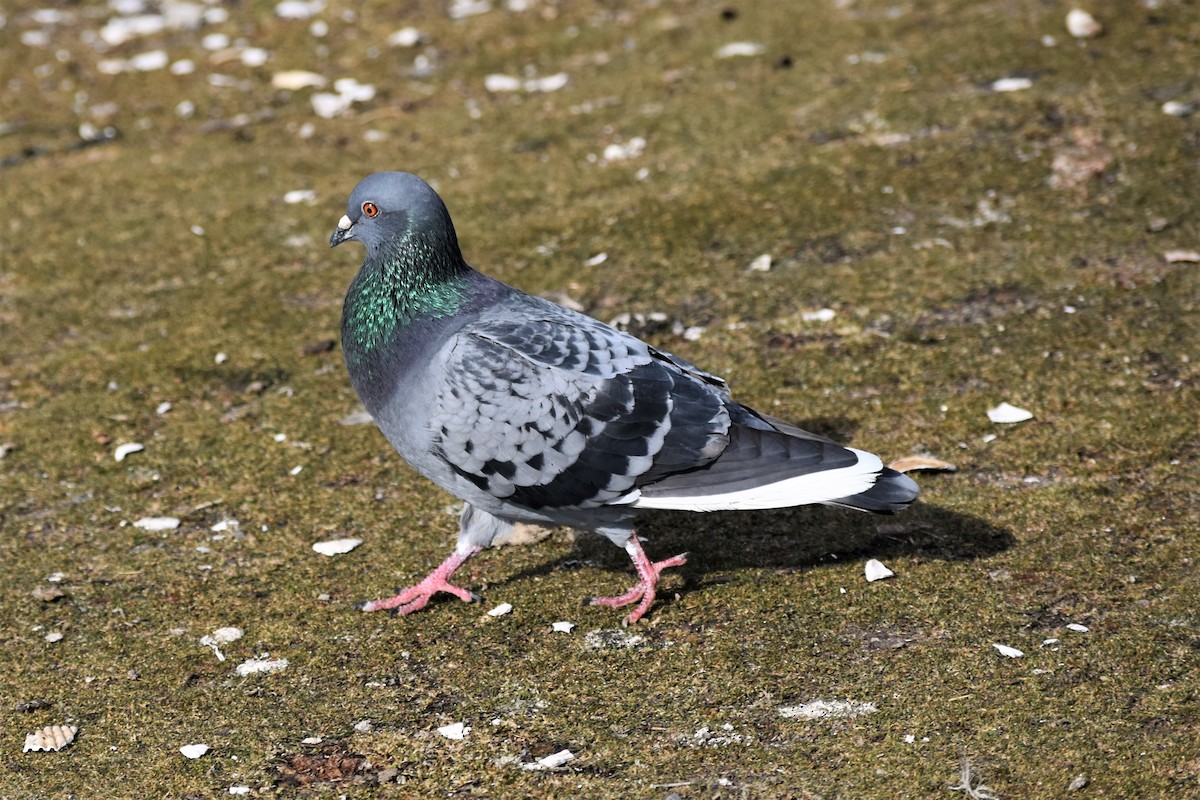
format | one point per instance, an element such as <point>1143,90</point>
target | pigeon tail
<point>767,468</point>
<point>893,491</point>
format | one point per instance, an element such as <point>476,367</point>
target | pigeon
<point>532,413</point>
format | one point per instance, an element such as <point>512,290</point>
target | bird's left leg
<point>644,590</point>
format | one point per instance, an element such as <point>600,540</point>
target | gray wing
<point>559,410</point>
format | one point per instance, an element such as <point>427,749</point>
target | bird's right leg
<point>476,530</point>
<point>417,597</point>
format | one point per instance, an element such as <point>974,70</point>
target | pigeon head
<point>394,211</point>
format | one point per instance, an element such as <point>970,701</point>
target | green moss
<point>893,187</point>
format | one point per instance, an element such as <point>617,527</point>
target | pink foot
<point>644,589</point>
<point>417,597</point>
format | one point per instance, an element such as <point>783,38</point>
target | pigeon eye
<point>370,209</point>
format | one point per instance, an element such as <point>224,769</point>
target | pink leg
<point>414,598</point>
<point>643,590</point>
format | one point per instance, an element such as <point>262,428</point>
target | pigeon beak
<point>342,233</point>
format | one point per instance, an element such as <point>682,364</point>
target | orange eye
<point>370,209</point>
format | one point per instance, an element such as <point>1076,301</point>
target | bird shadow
<point>787,539</point>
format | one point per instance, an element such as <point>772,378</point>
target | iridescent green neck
<point>408,280</point>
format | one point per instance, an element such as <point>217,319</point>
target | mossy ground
<point>863,150</point>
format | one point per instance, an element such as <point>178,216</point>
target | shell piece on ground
<point>51,738</point>
<point>876,571</point>
<point>922,463</point>
<point>1009,652</point>
<point>193,750</point>
<point>336,547</point>
<point>455,732</point>
<point>252,666</point>
<point>1008,414</point>
<point>157,523</point>
<point>822,709</point>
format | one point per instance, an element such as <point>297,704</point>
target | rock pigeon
<point>532,413</point>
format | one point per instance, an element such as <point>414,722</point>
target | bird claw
<point>644,590</point>
<point>417,597</point>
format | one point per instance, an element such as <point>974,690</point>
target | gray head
<point>390,209</point>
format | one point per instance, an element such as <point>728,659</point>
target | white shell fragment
<point>51,638</point>
<point>547,83</point>
<point>219,637</point>
<point>456,732</point>
<point>157,523</point>
<point>612,639</point>
<point>919,463</point>
<point>1008,414</point>
<point>820,315</point>
<point>1182,256</point>
<point>296,79</point>
<point>1082,25</point>
<point>824,709</point>
<point>328,106</point>
<point>620,152</point>
<point>193,750</point>
<point>562,627</point>
<point>552,761</point>
<point>127,449</point>
<point>596,260</point>
<point>760,264</point>
<point>740,50</point>
<point>500,610</point>
<point>1174,108</point>
<point>496,82</point>
<point>298,9</point>
<point>876,571</point>
<point>1011,84</point>
<point>1075,626</point>
<point>405,37</point>
<point>252,666</point>
<point>51,738</point>
<point>300,196</point>
<point>461,9</point>
<point>336,547</point>
<point>1010,652</point>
